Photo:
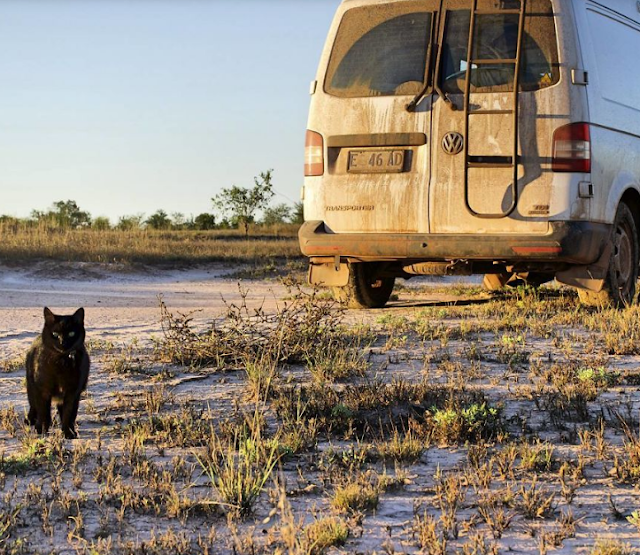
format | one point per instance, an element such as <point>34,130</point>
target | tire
<point>620,282</point>
<point>364,289</point>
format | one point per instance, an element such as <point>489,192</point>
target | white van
<point>476,136</point>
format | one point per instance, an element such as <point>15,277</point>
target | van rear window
<point>496,38</point>
<point>380,50</point>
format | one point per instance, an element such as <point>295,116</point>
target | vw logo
<point>452,143</point>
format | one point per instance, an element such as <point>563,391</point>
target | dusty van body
<point>475,136</point>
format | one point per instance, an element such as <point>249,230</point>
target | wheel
<point>620,282</point>
<point>365,289</point>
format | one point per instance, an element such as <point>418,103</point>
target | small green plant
<point>511,349</point>
<point>36,452</point>
<point>599,377</point>
<point>453,424</point>
<point>634,518</point>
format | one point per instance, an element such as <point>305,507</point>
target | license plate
<point>376,161</point>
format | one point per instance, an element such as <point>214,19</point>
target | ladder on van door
<point>480,162</point>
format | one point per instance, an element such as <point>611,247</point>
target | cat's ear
<point>78,316</point>
<point>49,317</point>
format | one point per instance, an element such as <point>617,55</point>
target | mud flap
<point>332,274</point>
<point>589,277</point>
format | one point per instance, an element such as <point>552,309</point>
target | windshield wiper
<point>411,107</point>
<point>445,97</point>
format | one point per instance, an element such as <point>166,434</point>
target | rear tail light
<point>572,148</point>
<point>313,154</point>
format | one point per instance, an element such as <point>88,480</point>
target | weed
<point>495,515</point>
<point>8,521</point>
<point>425,531</point>
<point>294,332</point>
<point>10,421</point>
<point>156,398</point>
<point>477,545</point>
<point>537,457</point>
<point>261,370</point>
<point>620,330</point>
<point>238,468</point>
<point>401,448</point>
<point>11,365</point>
<point>600,377</point>
<point>627,468</point>
<point>324,533</point>
<point>449,494</point>
<point>535,502</point>
<point>337,358</point>
<point>610,547</point>
<point>357,494</point>
<point>511,349</point>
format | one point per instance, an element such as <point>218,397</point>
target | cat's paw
<point>70,434</point>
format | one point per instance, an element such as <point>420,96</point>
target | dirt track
<point>119,305</point>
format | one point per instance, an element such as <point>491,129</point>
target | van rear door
<point>377,167</point>
<point>475,134</point>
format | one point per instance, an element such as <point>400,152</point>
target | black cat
<point>58,369</point>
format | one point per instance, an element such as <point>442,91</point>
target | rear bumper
<point>567,242</point>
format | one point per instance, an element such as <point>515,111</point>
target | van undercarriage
<point>566,244</point>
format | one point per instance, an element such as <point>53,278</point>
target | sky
<point>130,106</point>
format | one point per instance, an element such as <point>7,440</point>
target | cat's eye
<point>72,334</point>
<point>56,335</point>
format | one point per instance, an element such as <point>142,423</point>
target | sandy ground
<point>124,307</point>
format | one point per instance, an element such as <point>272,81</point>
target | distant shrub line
<point>40,241</point>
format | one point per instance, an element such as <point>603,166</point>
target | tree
<point>242,203</point>
<point>127,223</point>
<point>69,214</point>
<point>278,214</point>
<point>159,220</point>
<point>298,213</point>
<point>64,214</point>
<point>101,223</point>
<point>205,221</point>
<point>178,220</point>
